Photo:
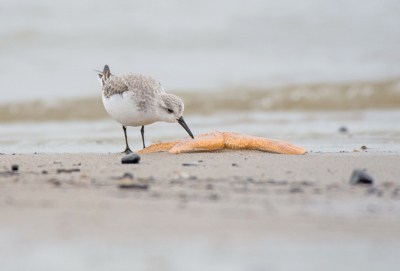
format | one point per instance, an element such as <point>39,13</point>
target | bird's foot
<point>127,151</point>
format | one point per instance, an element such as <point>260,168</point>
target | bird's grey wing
<point>142,89</point>
<point>142,84</point>
<point>114,85</point>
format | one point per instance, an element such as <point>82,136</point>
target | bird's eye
<point>170,110</point>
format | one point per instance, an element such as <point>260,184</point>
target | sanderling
<point>139,100</point>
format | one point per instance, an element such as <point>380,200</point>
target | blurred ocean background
<point>293,70</point>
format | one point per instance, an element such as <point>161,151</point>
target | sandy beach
<point>322,75</point>
<point>230,207</point>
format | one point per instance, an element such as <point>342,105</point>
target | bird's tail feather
<point>103,77</point>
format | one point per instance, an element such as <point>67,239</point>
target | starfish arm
<point>160,147</point>
<point>205,142</point>
<point>291,145</point>
<point>241,141</point>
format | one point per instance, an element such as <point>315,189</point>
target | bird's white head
<point>170,109</point>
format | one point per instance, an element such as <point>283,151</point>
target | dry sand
<point>228,212</point>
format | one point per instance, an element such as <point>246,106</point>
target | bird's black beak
<point>182,122</point>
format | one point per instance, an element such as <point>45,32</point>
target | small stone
<point>134,186</point>
<point>55,182</point>
<point>190,164</point>
<point>295,190</point>
<point>44,172</point>
<point>213,196</point>
<point>132,158</point>
<point>343,130</point>
<point>14,167</point>
<point>360,177</point>
<point>234,165</point>
<point>363,147</point>
<point>200,161</point>
<point>388,184</point>
<point>68,170</point>
<point>126,175</point>
<point>306,183</point>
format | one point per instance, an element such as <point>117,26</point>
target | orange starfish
<point>216,140</point>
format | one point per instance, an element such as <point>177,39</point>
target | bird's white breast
<point>124,110</point>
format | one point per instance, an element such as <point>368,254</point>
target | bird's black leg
<point>127,150</point>
<point>142,131</point>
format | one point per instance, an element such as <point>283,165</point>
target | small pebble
<point>213,196</point>
<point>190,164</point>
<point>363,147</point>
<point>134,186</point>
<point>44,172</point>
<point>234,165</point>
<point>55,182</point>
<point>14,167</point>
<point>343,130</point>
<point>295,190</point>
<point>67,170</point>
<point>132,158</point>
<point>127,175</point>
<point>360,177</point>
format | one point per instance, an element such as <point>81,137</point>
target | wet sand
<point>231,207</point>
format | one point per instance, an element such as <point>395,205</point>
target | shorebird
<point>216,140</point>
<point>139,100</point>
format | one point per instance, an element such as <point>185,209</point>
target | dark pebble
<point>234,165</point>
<point>191,164</point>
<point>55,182</point>
<point>295,190</point>
<point>14,167</point>
<point>132,158</point>
<point>134,186</point>
<point>360,177</point>
<point>363,147</point>
<point>67,170</point>
<point>343,130</point>
<point>213,196</point>
<point>44,172</point>
<point>126,175</point>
